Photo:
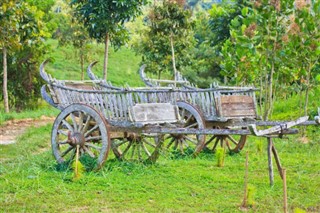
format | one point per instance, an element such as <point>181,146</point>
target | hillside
<point>122,69</point>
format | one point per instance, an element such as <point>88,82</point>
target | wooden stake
<point>285,202</point>
<point>276,157</point>
<point>270,160</point>
<point>245,200</point>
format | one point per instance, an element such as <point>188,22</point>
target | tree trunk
<point>306,102</point>
<point>270,93</point>
<point>173,60</point>
<point>260,95</point>
<point>5,80</point>
<point>82,64</point>
<point>106,52</point>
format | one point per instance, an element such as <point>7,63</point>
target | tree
<point>70,31</point>
<point>21,39</point>
<point>104,20</point>
<point>167,37</point>
<point>212,29</point>
<point>304,46</point>
<point>257,40</point>
<point>9,19</point>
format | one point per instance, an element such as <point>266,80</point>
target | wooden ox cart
<point>137,123</point>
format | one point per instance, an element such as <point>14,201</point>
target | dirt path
<point>10,130</point>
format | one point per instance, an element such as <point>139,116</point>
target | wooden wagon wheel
<point>80,127</point>
<point>187,143</point>
<point>137,147</point>
<point>234,143</point>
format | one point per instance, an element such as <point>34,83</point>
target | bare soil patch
<point>12,129</point>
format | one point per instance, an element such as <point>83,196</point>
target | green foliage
<point>220,154</point>
<point>22,32</point>
<point>167,22</point>
<point>251,191</point>
<point>298,210</point>
<point>78,170</point>
<point>106,16</point>
<point>212,29</point>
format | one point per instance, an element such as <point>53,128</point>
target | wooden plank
<point>236,99</point>
<point>238,113</point>
<point>154,113</point>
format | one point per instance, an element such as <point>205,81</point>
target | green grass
<point>293,107</point>
<point>122,68</point>
<point>30,180</point>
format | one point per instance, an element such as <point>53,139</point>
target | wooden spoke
<point>93,146</point>
<point>80,121</point>
<point>216,144</point>
<point>67,125</point>
<point>87,150</point>
<point>63,142</point>
<point>189,119</point>
<point>115,144</point>
<point>95,138</point>
<point>74,122</point>
<point>62,132</point>
<point>86,125</point>
<point>91,130</point>
<point>183,141</point>
<point>67,151</point>
<point>150,144</point>
<point>192,125</point>
<point>133,150</point>
<point>127,149</point>
<point>181,146</point>
<point>171,142</point>
<point>145,149</point>
<point>232,140</point>
<point>191,140</point>
<point>210,140</point>
<point>139,152</point>
<point>176,143</point>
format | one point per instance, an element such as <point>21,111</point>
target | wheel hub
<point>76,138</point>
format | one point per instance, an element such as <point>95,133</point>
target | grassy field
<point>122,68</point>
<point>30,180</point>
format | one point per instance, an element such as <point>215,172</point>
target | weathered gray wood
<point>276,157</point>
<point>151,113</point>
<point>278,128</point>
<point>271,176</point>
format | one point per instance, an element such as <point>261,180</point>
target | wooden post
<point>285,202</point>
<point>270,160</point>
<point>276,157</point>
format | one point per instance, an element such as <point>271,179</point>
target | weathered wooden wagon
<point>137,123</point>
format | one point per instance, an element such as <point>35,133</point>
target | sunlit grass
<point>123,64</point>
<point>30,179</point>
